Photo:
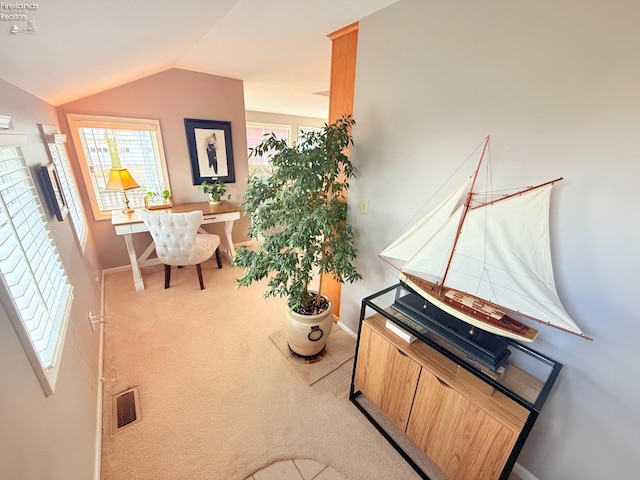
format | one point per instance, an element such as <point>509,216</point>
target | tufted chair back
<point>178,242</point>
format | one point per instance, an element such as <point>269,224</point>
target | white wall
<point>279,119</point>
<point>556,86</point>
<point>53,437</point>
<point>170,97</point>
<point>183,94</point>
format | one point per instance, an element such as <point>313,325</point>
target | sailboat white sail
<point>482,261</point>
<point>405,246</point>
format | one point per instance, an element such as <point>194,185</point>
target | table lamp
<point>120,179</point>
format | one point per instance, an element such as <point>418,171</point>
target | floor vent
<point>126,409</point>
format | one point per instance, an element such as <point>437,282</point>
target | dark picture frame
<point>210,150</point>
<point>53,191</point>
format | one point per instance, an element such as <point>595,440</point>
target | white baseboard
<point>523,473</point>
<point>347,329</point>
<point>108,271</point>
<point>98,452</point>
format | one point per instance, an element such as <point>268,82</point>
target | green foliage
<point>300,214</point>
<point>215,189</point>
<point>164,195</point>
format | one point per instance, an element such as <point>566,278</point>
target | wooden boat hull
<point>480,317</point>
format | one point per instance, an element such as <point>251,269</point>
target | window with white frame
<point>34,288</point>
<point>133,144</point>
<point>58,156</point>
<point>259,165</point>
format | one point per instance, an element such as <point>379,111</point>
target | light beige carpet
<point>218,400</point>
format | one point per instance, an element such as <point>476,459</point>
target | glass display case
<point>494,375</point>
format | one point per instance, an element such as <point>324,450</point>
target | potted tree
<point>299,213</point>
<point>215,190</point>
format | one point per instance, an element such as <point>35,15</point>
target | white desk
<point>126,224</point>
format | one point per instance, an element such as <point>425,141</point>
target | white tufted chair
<point>178,242</point>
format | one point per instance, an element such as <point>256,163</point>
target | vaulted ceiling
<point>279,48</point>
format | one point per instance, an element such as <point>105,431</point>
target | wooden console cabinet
<point>470,422</point>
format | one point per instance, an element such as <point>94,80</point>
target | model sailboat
<point>485,261</point>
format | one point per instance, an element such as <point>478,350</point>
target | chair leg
<point>167,275</point>
<point>218,257</point>
<point>199,268</point>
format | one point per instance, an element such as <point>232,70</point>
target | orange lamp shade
<point>120,179</point>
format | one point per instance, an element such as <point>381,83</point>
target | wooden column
<point>344,46</point>
<point>343,70</point>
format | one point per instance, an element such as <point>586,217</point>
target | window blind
<point>260,166</point>
<point>34,287</point>
<point>255,135</point>
<point>137,151</point>
<point>70,191</point>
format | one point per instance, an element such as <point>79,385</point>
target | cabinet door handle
<point>401,352</point>
<point>443,383</point>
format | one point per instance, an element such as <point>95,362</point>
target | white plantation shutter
<point>256,133</point>
<point>259,165</point>
<point>70,192</point>
<point>34,288</point>
<point>139,149</point>
<point>138,152</point>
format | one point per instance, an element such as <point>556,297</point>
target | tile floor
<point>301,469</point>
<point>298,469</point>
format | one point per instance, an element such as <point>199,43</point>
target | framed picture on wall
<point>53,191</point>
<point>210,150</point>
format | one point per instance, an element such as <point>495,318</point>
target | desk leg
<point>135,269</point>
<point>228,227</point>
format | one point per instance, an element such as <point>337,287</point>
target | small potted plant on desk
<point>301,213</point>
<point>215,190</point>
<point>155,200</point>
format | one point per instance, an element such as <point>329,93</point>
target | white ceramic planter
<point>307,334</point>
